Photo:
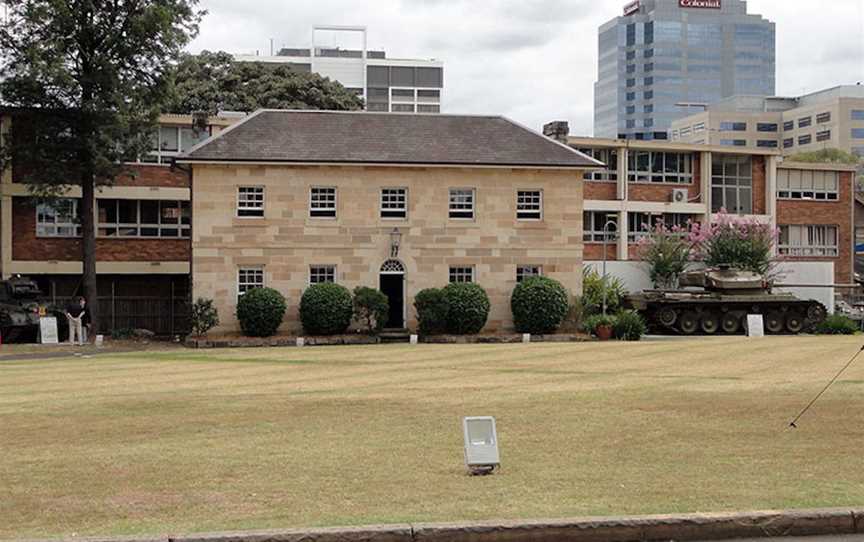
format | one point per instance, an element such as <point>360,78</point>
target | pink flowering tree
<point>667,252</point>
<point>742,243</point>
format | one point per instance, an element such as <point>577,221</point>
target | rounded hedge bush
<point>539,305</point>
<point>432,309</point>
<point>260,312</point>
<point>326,309</point>
<point>467,308</point>
<point>629,326</point>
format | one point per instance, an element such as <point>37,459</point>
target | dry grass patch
<point>235,439</point>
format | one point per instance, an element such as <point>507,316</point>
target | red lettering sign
<point>710,4</point>
<point>631,8</point>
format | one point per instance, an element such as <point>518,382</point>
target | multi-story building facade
<point>663,54</point>
<point>286,199</point>
<point>386,84</point>
<point>811,205</point>
<point>828,119</point>
<point>143,221</point>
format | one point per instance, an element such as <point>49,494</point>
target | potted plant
<point>601,325</point>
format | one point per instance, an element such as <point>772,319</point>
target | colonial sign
<point>48,330</point>
<point>711,4</point>
<point>632,8</point>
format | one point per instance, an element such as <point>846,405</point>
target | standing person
<point>75,313</point>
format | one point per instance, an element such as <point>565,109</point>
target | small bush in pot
<point>601,325</point>
<point>468,308</point>
<point>203,316</point>
<point>539,305</point>
<point>432,309</point>
<point>371,307</point>
<point>260,312</point>
<point>629,326</point>
<point>326,309</point>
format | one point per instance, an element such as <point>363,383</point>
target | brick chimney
<point>557,130</point>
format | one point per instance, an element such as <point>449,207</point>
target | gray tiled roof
<point>384,138</point>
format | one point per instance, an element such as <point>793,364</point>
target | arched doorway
<point>392,284</point>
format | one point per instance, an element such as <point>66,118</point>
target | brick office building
<point>399,202</point>
<point>810,204</point>
<point>142,239</point>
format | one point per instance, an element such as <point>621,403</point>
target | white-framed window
<point>168,141</point>
<point>462,273</point>
<point>732,184</point>
<point>608,157</point>
<point>58,218</point>
<point>818,241</point>
<point>525,271</point>
<point>462,203</point>
<point>250,201</point>
<point>529,204</point>
<point>804,184</point>
<point>322,273</point>
<point>249,278</point>
<point>322,202</point>
<point>592,227</point>
<point>660,167</point>
<point>394,203</point>
<point>143,218</point>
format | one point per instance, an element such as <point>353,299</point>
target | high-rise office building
<point>660,54</point>
<point>386,84</point>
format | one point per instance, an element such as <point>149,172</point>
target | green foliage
<point>592,292</point>
<point>591,323</point>
<point>122,334</point>
<point>629,326</point>
<point>467,308</point>
<point>203,316</point>
<point>260,312</point>
<point>371,307</point>
<point>666,253</point>
<point>826,156</point>
<point>326,309</point>
<point>837,324</point>
<point>539,305</point>
<point>432,309</point>
<point>213,81</point>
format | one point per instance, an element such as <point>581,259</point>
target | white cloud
<point>531,60</point>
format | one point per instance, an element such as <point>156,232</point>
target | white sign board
<point>414,339</point>
<point>481,443</point>
<point>755,326</point>
<point>48,330</point>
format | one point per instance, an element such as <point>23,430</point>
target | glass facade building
<point>670,52</point>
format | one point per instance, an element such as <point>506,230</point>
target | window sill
<point>251,222</point>
<point>651,183</point>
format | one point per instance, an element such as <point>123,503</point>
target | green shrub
<point>260,312</point>
<point>326,309</point>
<point>592,292</point>
<point>594,321</point>
<point>467,308</point>
<point>539,305</point>
<point>371,307</point>
<point>629,326</point>
<point>837,324</point>
<point>122,334</point>
<point>432,309</point>
<point>203,316</point>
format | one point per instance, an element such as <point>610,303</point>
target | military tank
<point>718,300</point>
<point>21,308</point>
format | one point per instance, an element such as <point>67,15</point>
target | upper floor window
<point>857,114</point>
<point>143,218</point>
<point>732,184</point>
<point>767,143</point>
<point>169,141</point>
<point>461,274</point>
<point>788,142</point>
<point>394,202</point>
<point>526,271</point>
<point>857,133</point>
<point>529,204</point>
<point>789,125</point>
<point>823,117</point>
<point>322,273</point>
<point>660,167</point>
<point>733,142</point>
<point>823,135</point>
<point>766,127</point>
<point>593,223</point>
<point>818,241</point>
<point>803,122</point>
<point>807,184</point>
<point>249,278</point>
<point>58,218</point>
<point>733,126</point>
<point>462,203</point>
<point>805,139</point>
<point>608,157</point>
<point>322,202</point>
<point>250,201</point>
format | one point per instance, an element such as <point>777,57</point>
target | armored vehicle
<point>20,309</point>
<point>718,300</point>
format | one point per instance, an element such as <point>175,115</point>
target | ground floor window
<point>462,274</point>
<point>322,273</point>
<point>593,222</point>
<point>819,241</point>
<point>249,278</point>
<point>525,271</point>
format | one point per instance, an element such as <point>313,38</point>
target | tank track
<point>720,317</point>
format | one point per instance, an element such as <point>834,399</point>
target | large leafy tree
<point>213,81</point>
<point>91,77</point>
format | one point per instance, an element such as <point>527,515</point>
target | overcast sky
<point>531,60</point>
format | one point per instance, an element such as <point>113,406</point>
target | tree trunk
<point>88,243</point>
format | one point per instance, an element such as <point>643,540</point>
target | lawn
<point>181,441</point>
